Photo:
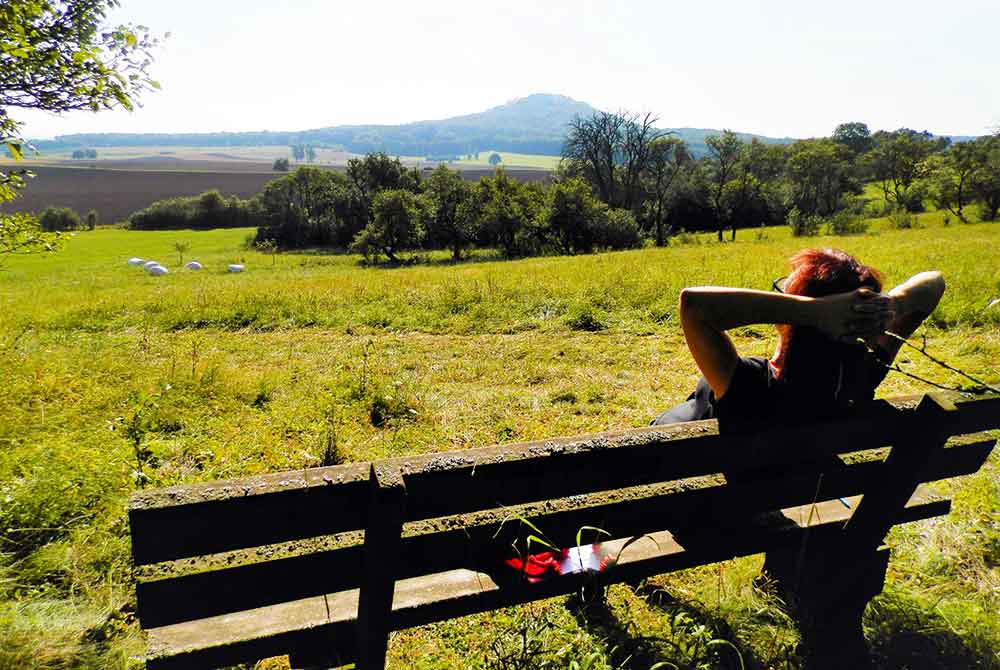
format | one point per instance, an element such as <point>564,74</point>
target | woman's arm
<point>708,311</point>
<point>912,302</point>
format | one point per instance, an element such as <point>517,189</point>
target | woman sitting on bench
<point>833,350</point>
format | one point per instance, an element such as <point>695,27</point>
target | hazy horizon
<point>779,69</point>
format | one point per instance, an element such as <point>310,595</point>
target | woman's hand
<point>860,314</point>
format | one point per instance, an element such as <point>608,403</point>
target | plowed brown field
<point>116,188</point>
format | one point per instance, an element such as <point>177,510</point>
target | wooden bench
<point>322,564</point>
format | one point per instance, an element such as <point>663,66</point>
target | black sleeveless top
<point>756,398</point>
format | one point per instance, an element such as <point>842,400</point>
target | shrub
<point>803,225</point>
<point>617,230</point>
<point>912,199</point>
<point>203,212</point>
<point>685,238</point>
<point>57,219</point>
<point>846,223</point>
<point>586,317</point>
<point>901,219</point>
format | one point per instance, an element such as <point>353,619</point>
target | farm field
<point>116,187</point>
<point>256,372</point>
<point>265,156</point>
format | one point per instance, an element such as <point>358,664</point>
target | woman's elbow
<point>935,288</point>
<point>689,303</point>
<point>939,284</point>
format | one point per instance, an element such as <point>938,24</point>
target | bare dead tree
<point>638,135</point>
<point>611,150</point>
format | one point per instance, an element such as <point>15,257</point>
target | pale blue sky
<point>785,68</point>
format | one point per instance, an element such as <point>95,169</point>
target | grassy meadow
<point>236,374</point>
<point>513,160</point>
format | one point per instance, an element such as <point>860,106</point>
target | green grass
<point>255,372</point>
<point>512,160</point>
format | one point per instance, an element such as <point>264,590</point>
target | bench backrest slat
<point>691,503</point>
<point>182,522</point>
<point>190,521</point>
<point>479,479</point>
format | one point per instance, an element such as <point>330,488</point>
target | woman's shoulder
<point>752,384</point>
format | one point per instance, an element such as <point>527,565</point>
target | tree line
<point>622,183</point>
<point>804,184</point>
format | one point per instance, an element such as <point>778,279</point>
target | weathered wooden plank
<point>383,537</point>
<point>473,540</point>
<point>185,521</point>
<point>483,479</point>
<point>897,481</point>
<point>309,625</point>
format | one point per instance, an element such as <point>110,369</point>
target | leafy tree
<point>952,175</point>
<point>495,159</point>
<point>573,215</point>
<point>986,179</point>
<point>298,152</point>
<point>725,153</point>
<point>667,156</point>
<point>818,172</point>
<point>691,202</point>
<point>311,153</point>
<point>377,172</point>
<point>507,210</point>
<point>855,136</point>
<point>305,208</point>
<point>448,227</point>
<point>58,56</point>
<point>20,233</point>
<point>398,224</point>
<point>280,165</point>
<point>59,219</point>
<point>92,219</point>
<point>745,197</point>
<point>899,161</point>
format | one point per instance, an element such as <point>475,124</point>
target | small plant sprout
<point>269,247</point>
<point>134,429</point>
<point>181,248</point>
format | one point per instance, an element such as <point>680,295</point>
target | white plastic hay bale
<point>149,264</point>
<point>236,267</point>
<point>193,265</point>
<point>157,270</point>
<point>135,261</point>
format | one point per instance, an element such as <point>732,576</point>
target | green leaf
<point>579,533</point>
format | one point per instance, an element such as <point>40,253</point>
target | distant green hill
<point>533,125</point>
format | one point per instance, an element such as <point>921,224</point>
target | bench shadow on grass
<point>694,640</point>
<point>902,635</point>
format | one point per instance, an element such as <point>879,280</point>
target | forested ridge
<point>536,124</point>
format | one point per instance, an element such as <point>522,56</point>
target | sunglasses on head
<point>779,284</point>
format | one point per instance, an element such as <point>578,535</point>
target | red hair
<point>817,273</point>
